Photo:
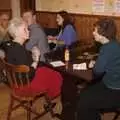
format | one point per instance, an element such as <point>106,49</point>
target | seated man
<point>4,20</point>
<point>37,35</point>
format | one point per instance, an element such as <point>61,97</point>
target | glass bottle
<point>67,57</point>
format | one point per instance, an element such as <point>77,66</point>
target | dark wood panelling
<point>27,4</point>
<point>47,19</point>
<point>7,11</point>
<point>83,23</point>
<point>5,4</point>
<point>5,7</point>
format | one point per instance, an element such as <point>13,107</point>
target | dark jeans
<point>96,99</point>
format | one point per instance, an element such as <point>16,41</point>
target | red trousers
<point>46,79</point>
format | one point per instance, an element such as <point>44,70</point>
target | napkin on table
<point>81,66</point>
<point>57,63</point>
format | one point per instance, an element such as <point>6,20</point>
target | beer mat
<point>57,63</point>
<point>81,66</point>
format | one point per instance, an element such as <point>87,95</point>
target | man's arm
<point>33,39</point>
<point>101,63</point>
<point>42,44</point>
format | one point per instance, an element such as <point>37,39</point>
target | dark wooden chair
<point>117,114</point>
<point>23,94</point>
<point>2,74</point>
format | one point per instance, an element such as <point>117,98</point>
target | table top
<point>75,54</point>
<point>75,58</point>
<point>83,75</point>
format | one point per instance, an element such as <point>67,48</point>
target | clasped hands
<point>36,56</point>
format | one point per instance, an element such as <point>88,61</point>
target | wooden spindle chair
<point>23,94</point>
<point>2,72</point>
<point>2,66</point>
<point>117,113</point>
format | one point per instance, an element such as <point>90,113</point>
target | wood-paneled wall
<point>7,11</point>
<point>5,4</point>
<point>83,23</point>
<point>27,4</point>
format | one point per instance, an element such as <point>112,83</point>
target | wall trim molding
<point>81,14</point>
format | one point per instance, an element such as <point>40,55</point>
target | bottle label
<point>66,55</point>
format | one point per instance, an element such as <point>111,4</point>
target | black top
<point>16,54</point>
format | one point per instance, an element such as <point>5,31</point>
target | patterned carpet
<point>20,114</point>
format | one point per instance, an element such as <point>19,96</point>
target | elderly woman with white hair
<point>42,78</point>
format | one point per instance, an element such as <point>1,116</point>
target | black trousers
<point>68,98</point>
<point>96,99</point>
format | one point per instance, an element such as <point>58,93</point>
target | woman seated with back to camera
<point>42,78</point>
<point>105,94</point>
<point>67,35</point>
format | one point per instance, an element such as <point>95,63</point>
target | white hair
<point>13,26</point>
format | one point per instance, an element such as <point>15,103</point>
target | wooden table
<point>67,70</point>
<point>84,75</point>
<point>75,57</point>
<point>74,81</point>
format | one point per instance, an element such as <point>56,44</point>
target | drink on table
<point>67,57</point>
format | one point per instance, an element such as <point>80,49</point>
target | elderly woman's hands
<point>2,54</point>
<point>35,56</point>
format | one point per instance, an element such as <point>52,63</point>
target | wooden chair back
<point>2,70</point>
<point>16,75</point>
<point>2,65</point>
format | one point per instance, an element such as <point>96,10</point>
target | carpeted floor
<point>20,114</point>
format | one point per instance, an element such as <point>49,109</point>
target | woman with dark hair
<point>104,95</point>
<point>67,35</point>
